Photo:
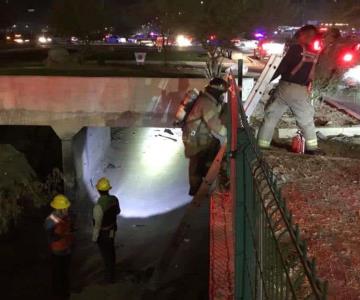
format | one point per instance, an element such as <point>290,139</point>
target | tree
<point>21,189</point>
<point>349,11</point>
<point>223,20</point>
<point>228,19</point>
<point>270,14</point>
<point>345,11</point>
<point>81,18</point>
<point>165,16</point>
<point>7,14</point>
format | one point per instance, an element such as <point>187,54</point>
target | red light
<point>348,57</point>
<point>317,46</point>
<point>324,29</point>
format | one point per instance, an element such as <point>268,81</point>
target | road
<point>19,56</point>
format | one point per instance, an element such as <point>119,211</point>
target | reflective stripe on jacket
<point>105,214</point>
<point>203,125</point>
<point>59,233</point>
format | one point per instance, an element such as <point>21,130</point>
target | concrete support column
<point>90,147</point>
<point>68,167</point>
<point>66,135</point>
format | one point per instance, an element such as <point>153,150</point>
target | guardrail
<point>271,260</point>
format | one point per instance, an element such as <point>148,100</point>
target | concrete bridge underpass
<point>116,127</point>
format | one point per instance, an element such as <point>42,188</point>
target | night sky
<point>17,11</point>
<point>312,9</point>
<point>42,7</point>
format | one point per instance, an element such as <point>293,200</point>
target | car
<point>147,42</point>
<point>247,46</point>
<point>349,61</point>
<point>268,47</point>
<point>44,39</point>
<point>18,38</point>
<point>114,39</point>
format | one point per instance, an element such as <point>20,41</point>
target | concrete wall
<point>81,102</point>
<point>90,147</point>
<point>68,104</point>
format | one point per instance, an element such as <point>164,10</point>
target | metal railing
<point>271,260</point>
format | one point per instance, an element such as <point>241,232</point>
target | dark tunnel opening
<point>40,144</point>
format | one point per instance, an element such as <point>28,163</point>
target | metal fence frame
<point>271,260</point>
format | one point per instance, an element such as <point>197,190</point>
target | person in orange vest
<point>105,214</point>
<point>58,226</point>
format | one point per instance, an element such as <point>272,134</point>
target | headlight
<point>274,48</point>
<point>353,74</point>
<point>183,41</point>
<point>42,40</point>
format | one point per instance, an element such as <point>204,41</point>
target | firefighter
<point>297,71</point>
<point>59,230</point>
<point>105,214</point>
<point>204,132</point>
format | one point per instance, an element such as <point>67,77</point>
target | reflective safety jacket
<point>298,66</point>
<point>203,125</point>
<point>59,230</point>
<point>105,214</point>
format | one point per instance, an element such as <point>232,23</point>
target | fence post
<point>243,238</point>
<point>242,282</point>
<point>240,79</point>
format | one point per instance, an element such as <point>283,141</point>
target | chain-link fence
<point>271,260</point>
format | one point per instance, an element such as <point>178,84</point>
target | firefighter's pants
<point>296,98</point>
<point>199,166</point>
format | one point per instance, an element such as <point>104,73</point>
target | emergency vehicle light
<point>348,57</point>
<point>317,46</point>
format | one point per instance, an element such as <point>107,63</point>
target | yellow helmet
<point>103,185</point>
<point>60,202</point>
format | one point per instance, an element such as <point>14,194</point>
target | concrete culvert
<point>148,173</point>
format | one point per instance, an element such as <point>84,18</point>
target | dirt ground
<point>24,256</point>
<point>323,193</point>
<point>325,116</point>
